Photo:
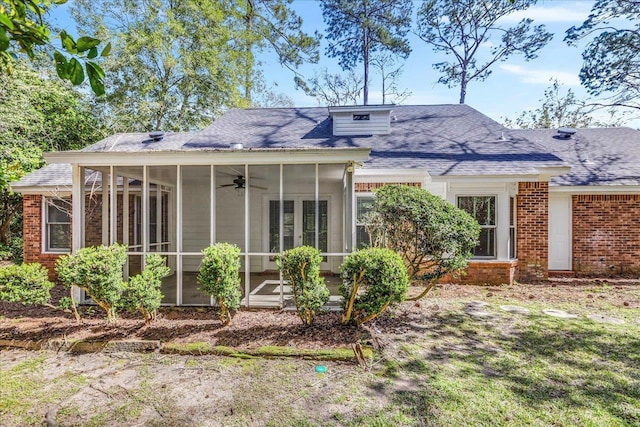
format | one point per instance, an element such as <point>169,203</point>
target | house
<point>272,179</point>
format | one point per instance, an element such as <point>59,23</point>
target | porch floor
<point>264,291</point>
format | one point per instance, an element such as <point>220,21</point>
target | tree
<point>22,29</point>
<point>357,29</point>
<point>390,72</point>
<point>334,89</point>
<point>271,24</point>
<point>561,110</point>
<point>461,29</point>
<point>433,237</point>
<point>38,113</point>
<point>143,293</point>
<point>219,276</point>
<point>611,64</point>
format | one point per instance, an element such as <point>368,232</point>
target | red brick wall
<point>485,273</point>
<point>532,214</point>
<point>32,233</point>
<point>606,234</point>
<point>367,187</point>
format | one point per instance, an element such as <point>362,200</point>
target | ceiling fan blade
<point>258,187</point>
<point>226,185</point>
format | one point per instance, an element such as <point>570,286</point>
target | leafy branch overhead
<point>464,28</point>
<point>611,58</point>
<point>22,29</point>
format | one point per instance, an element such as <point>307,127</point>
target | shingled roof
<point>443,139</point>
<point>597,156</point>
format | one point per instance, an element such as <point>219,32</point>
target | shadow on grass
<point>547,367</point>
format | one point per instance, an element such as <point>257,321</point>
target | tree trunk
<point>365,90</point>
<point>248,54</point>
<point>463,87</point>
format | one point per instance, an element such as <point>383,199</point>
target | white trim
<point>595,189</point>
<point>44,227</point>
<point>179,256</point>
<point>247,260</point>
<point>113,215</point>
<point>217,157</point>
<point>360,108</point>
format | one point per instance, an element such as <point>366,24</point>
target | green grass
<point>516,370</point>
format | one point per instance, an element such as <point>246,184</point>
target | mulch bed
<point>255,328</point>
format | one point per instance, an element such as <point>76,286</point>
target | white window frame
<point>45,226</point>
<point>496,241</point>
<point>363,195</point>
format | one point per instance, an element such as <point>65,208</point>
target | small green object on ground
<point>321,369</point>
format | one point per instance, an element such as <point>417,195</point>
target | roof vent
<point>156,135</point>
<point>236,146</point>
<point>565,133</point>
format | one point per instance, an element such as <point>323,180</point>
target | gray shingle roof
<point>597,156</point>
<point>444,139</point>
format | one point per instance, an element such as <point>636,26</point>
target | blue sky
<point>515,85</point>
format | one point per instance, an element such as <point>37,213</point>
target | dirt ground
<point>256,328</point>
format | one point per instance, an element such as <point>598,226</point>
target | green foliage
<point>22,28</point>
<point>460,28</point>
<point>25,283</point>
<point>433,237</point>
<point>373,280</point>
<point>37,113</point>
<point>611,58</point>
<point>301,267</point>
<point>558,110</point>
<point>356,29</point>
<point>219,276</point>
<point>142,293</point>
<point>97,270</point>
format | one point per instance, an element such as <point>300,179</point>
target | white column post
<point>113,193</point>
<point>77,194</point>
<point>281,229</point>
<point>105,206</point>
<point>159,219</point>
<point>212,212</point>
<point>145,214</point>
<point>179,234</point>
<point>247,274</point>
<point>125,221</point>
<point>317,212</point>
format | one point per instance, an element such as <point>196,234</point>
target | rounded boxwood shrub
<point>25,283</point>
<point>142,293</point>
<point>219,277</point>
<point>97,270</point>
<point>373,280</point>
<point>301,267</point>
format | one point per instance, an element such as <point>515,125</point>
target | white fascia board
<point>479,179</point>
<point>49,191</point>
<point>388,175</point>
<point>360,108</point>
<point>547,172</point>
<point>595,189</point>
<point>226,157</point>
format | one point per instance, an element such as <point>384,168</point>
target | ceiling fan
<point>240,183</point>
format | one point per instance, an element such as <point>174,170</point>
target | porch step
<point>561,274</point>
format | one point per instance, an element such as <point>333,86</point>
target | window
<point>364,206</point>
<point>358,117</point>
<point>483,209</point>
<point>57,219</point>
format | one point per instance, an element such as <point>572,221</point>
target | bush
<point>373,280</point>
<point>433,237</point>
<point>142,293</point>
<point>219,276</point>
<point>25,283</point>
<point>97,270</point>
<point>301,267</point>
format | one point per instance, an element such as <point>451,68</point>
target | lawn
<point>446,361</point>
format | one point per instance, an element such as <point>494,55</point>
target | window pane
<point>512,243</point>
<point>59,236</point>
<point>482,208</point>
<point>274,225</point>
<point>364,205</point>
<point>487,246</point>
<point>362,237</point>
<point>58,210</point>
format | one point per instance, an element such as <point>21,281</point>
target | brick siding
<point>606,234</point>
<point>485,273</point>
<point>532,215</point>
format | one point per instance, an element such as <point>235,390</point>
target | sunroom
<point>176,203</point>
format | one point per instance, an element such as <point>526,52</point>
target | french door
<point>299,226</point>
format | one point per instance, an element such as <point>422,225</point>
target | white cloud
<point>578,12</point>
<point>541,76</point>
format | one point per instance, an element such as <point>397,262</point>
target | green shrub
<point>219,276</point>
<point>25,283</point>
<point>97,270</point>
<point>301,267</point>
<point>373,280</point>
<point>433,237</point>
<point>142,293</point>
